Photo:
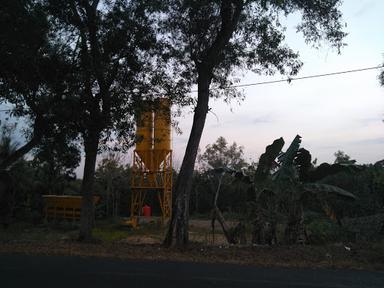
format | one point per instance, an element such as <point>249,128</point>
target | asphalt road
<point>64,271</point>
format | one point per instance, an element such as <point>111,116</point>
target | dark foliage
<point>216,37</point>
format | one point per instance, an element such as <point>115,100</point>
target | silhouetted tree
<point>217,37</point>
<point>7,147</point>
<point>342,158</point>
<point>30,74</point>
<point>220,154</point>
<point>55,161</point>
<point>115,65</point>
<point>113,178</point>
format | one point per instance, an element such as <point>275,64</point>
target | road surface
<point>64,271</point>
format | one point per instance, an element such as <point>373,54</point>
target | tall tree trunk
<point>180,214</point>
<point>205,66</point>
<point>91,143</point>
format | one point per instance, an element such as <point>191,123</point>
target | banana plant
<point>234,234</point>
<point>282,185</point>
<point>282,188</point>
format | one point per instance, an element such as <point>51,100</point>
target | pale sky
<point>342,112</point>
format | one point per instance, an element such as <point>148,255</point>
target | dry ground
<point>145,243</point>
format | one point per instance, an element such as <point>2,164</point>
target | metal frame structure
<point>151,180</point>
<point>152,159</point>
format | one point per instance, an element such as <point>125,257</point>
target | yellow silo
<point>152,160</point>
<point>144,135</point>
<point>162,132</point>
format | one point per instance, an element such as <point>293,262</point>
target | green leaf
<point>327,189</point>
<point>267,159</point>
<point>287,158</point>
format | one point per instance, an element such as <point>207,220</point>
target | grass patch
<point>110,234</point>
<point>145,243</point>
<point>22,231</point>
<point>112,230</point>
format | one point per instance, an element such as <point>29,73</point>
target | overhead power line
<point>288,80</point>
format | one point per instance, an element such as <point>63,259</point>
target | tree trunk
<point>16,155</point>
<point>91,143</point>
<point>227,231</point>
<point>180,214</point>
<point>230,13</point>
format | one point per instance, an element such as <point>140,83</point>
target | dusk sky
<point>342,112</point>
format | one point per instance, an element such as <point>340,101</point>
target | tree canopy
<point>31,78</point>
<point>80,70</point>
<point>342,158</point>
<point>116,65</point>
<point>220,154</point>
<point>215,39</point>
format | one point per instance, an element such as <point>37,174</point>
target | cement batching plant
<point>152,160</point>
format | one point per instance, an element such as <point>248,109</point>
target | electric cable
<point>288,80</point>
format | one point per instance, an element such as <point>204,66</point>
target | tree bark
<point>227,231</point>
<point>217,215</point>
<point>19,153</point>
<point>91,144</point>
<point>205,66</point>
<point>180,214</point>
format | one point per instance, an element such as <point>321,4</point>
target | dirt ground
<point>145,244</point>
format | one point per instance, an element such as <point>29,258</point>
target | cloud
<point>369,120</point>
<point>372,141</point>
<point>328,147</point>
<point>239,120</point>
<point>178,140</point>
<point>364,8</point>
<point>263,119</point>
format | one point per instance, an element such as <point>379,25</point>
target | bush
<point>321,231</point>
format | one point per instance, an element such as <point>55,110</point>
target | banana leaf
<point>326,189</point>
<point>287,158</point>
<point>267,159</point>
<point>325,169</point>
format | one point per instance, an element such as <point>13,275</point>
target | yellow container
<point>144,142</point>
<point>162,133</point>
<point>64,206</point>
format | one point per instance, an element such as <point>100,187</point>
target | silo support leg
<point>137,202</point>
